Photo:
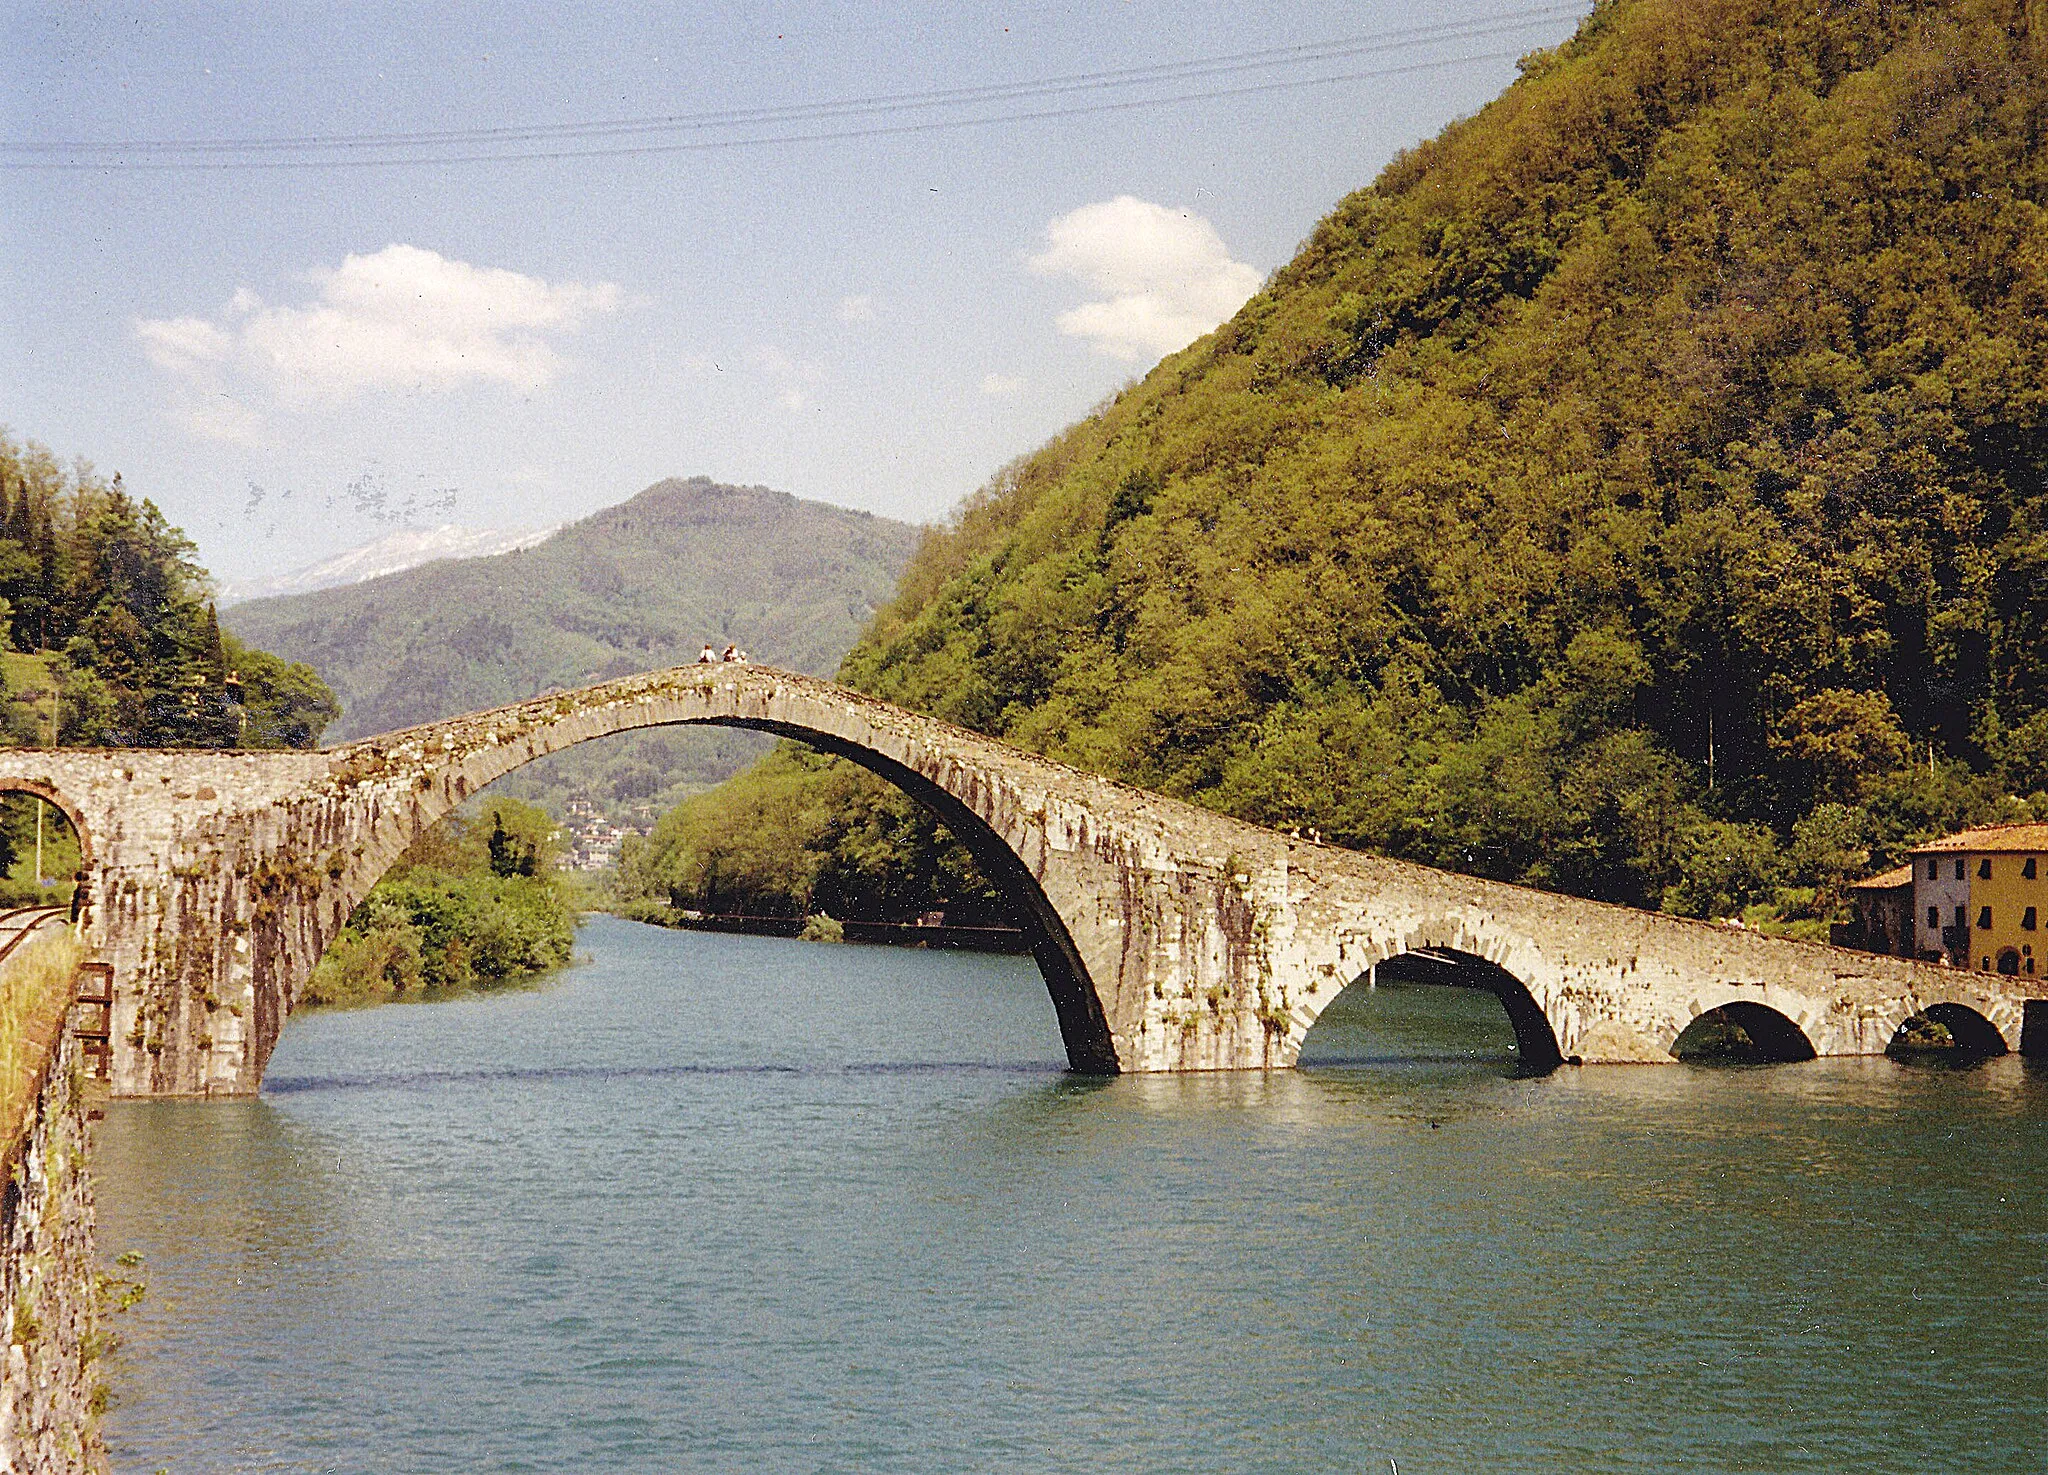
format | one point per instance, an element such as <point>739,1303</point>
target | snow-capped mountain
<point>404,549</point>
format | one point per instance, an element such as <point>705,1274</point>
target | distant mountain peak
<point>393,553</point>
<point>636,586</point>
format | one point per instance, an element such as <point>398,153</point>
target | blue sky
<point>289,360</point>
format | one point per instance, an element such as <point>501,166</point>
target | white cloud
<point>182,344</point>
<point>792,377</point>
<point>859,309</point>
<point>1002,386</point>
<point>1165,275</point>
<point>400,318</point>
<point>220,418</point>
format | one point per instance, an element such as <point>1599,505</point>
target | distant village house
<point>1973,899</point>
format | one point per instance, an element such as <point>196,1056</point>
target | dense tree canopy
<point>111,593</point>
<point>1640,490</point>
<point>799,834</point>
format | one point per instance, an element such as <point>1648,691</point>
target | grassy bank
<point>35,994</point>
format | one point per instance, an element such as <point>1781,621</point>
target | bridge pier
<point>2034,1029</point>
<point>1171,938</point>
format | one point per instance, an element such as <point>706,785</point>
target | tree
<point>1839,738</point>
<point>509,857</point>
<point>88,570</point>
<point>285,703</point>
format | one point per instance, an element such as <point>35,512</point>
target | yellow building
<point>1980,898</point>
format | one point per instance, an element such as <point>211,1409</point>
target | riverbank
<point>1004,940</point>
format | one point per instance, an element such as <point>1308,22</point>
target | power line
<point>617,137</point>
<point>1124,77</point>
<point>716,145</point>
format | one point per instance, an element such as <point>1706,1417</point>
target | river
<point>712,1203</point>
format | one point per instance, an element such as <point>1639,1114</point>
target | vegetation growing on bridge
<point>36,987</point>
<point>110,600</point>
<point>473,902</point>
<point>1640,491</point>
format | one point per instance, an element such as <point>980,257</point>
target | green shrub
<point>445,918</point>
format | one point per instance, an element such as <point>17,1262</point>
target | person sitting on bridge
<point>706,656</point>
<point>733,653</point>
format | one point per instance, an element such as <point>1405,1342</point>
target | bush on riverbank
<point>471,904</point>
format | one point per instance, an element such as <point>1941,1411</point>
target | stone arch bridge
<point>1170,938</point>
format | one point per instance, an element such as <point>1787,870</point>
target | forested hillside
<point>636,587</point>
<point>110,627</point>
<point>1641,490</point>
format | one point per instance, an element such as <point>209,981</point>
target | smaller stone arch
<point>64,806</point>
<point>1447,950</point>
<point>1973,1035</point>
<point>83,888</point>
<point>1776,1037</point>
<point>1957,999</point>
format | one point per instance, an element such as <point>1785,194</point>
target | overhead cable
<point>870,117</point>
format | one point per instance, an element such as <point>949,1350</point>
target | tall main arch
<point>1171,938</point>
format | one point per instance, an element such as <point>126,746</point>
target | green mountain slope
<point>635,587</point>
<point>1641,489</point>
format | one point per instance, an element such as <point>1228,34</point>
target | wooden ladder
<point>95,1027</point>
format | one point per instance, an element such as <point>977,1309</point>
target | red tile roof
<point>1997,838</point>
<point>1887,880</point>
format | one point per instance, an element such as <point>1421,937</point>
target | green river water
<point>714,1203</point>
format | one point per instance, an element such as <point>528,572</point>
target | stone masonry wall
<point>1171,937</point>
<point>49,1299</point>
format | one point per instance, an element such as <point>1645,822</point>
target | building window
<point>1984,869</point>
<point>2027,920</point>
<point>1962,916</point>
<point>1932,866</point>
<point>1959,867</point>
<point>1934,916</point>
<point>1984,919</point>
<point>2027,870</point>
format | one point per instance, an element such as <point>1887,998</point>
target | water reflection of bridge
<point>1170,938</point>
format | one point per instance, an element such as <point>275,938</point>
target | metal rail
<point>25,921</point>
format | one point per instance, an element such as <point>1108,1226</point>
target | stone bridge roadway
<point>1170,938</point>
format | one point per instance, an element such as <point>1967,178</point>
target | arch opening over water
<point>1743,1033</point>
<point>1436,1005</point>
<point>1948,1031</point>
<point>1083,1026</point>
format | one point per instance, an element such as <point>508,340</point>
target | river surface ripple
<point>739,1204</point>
